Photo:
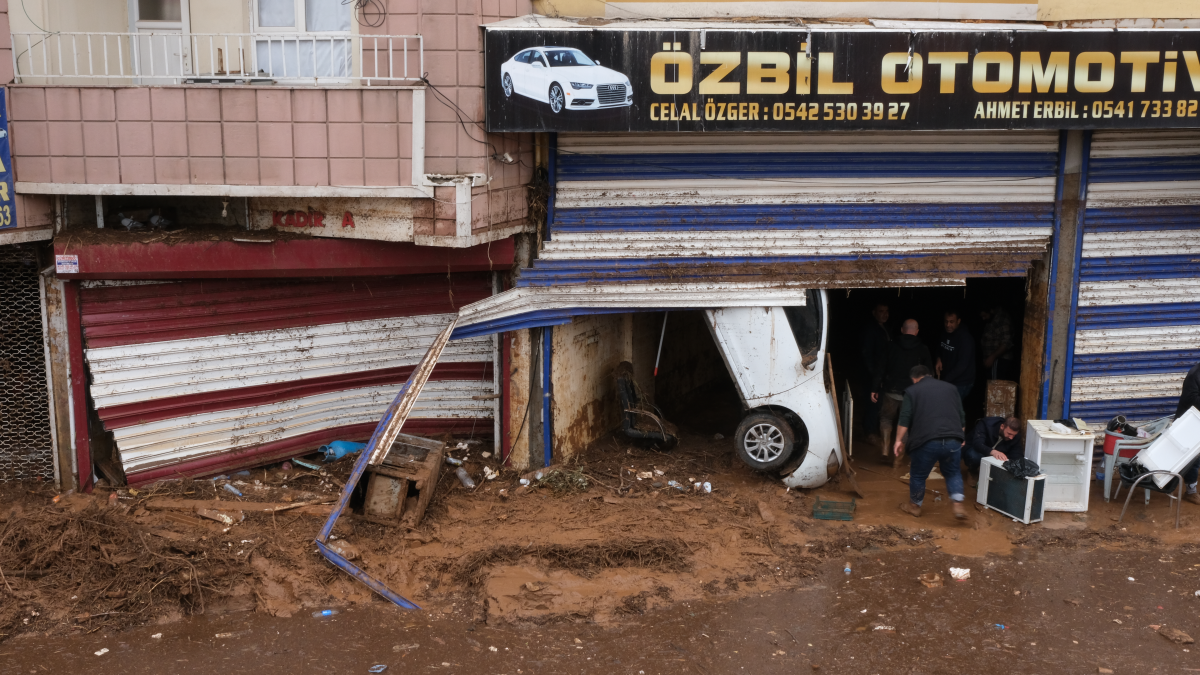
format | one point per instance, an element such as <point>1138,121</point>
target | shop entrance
<point>851,318</point>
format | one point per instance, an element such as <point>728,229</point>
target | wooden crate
<point>399,488</point>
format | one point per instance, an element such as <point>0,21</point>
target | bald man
<point>903,355</point>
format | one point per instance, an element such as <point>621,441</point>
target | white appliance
<point>1065,457</point>
<point>1178,447</point>
<point>1021,499</point>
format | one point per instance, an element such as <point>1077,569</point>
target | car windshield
<point>560,58</point>
<point>806,323</point>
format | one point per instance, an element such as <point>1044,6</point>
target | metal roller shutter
<point>823,210</point>
<point>1137,327</point>
<point>195,377</point>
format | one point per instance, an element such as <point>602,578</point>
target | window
<point>286,47</point>
<point>160,10</point>
<point>561,58</point>
<point>806,324</point>
<point>524,56</point>
<point>538,58</point>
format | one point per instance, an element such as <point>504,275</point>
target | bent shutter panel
<point>823,209</point>
<point>195,377</point>
<point>1137,327</point>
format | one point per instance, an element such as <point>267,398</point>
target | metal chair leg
<point>1148,474</point>
<point>1110,462</point>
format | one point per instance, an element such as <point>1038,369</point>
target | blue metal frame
<point>552,177</point>
<point>547,422</point>
<point>360,466</point>
<point>1083,186</point>
<point>1047,363</point>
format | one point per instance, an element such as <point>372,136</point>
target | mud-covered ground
<point>640,572</point>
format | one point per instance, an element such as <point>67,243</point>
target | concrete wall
<point>1007,10</point>
<point>211,136</point>
<point>1067,10</point>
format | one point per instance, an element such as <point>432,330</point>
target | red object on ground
<point>1110,444</point>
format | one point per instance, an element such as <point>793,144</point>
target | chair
<point>636,420</point>
<point>1124,450</point>
<point>1175,486</point>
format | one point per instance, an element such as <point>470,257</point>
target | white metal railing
<point>175,57</point>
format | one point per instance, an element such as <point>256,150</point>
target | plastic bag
<point>1131,471</point>
<point>1022,468</point>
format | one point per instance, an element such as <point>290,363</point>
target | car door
<point>518,70</point>
<point>539,78</point>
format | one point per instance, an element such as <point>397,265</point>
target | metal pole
<point>662,335</point>
<point>547,426</point>
<point>99,212</point>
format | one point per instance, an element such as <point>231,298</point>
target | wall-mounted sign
<point>379,218</point>
<point>8,203</point>
<point>608,79</point>
<point>66,264</point>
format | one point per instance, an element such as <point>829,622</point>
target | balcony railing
<point>178,58</point>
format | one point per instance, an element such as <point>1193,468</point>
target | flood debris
<point>1175,635</point>
<point>930,580</point>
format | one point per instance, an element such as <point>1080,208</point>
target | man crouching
<point>933,411</point>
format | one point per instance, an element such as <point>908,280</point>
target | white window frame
<point>301,21</point>
<point>184,25</point>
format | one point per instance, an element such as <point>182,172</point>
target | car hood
<point>592,74</point>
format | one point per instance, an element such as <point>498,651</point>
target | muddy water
<point>1063,611</point>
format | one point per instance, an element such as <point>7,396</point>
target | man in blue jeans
<point>933,410</point>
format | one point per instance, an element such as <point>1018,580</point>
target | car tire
<point>506,83</point>
<point>764,441</point>
<point>558,100</point>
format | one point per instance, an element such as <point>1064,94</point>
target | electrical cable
<point>372,20</point>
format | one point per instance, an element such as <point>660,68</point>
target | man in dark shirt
<point>956,355</point>
<point>933,410</point>
<point>1190,398</point>
<point>907,351</point>
<point>993,437</point>
<point>874,349</point>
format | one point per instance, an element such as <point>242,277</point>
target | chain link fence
<point>26,450</point>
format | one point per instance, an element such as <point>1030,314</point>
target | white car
<point>565,78</point>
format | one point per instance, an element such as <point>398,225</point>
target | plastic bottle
<point>464,478</point>
<point>232,489</point>
<point>454,461</point>
<point>847,570</point>
<point>324,613</point>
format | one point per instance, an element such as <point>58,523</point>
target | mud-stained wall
<point>518,437</point>
<point>60,382</point>
<point>584,402</point>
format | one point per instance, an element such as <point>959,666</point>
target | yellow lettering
<point>1084,83</point>
<point>658,73</point>
<point>1032,74</point>
<point>726,62</point>
<point>803,71</point>
<point>825,83</point>
<point>1139,61</point>
<point>654,112</point>
<point>895,60</point>
<point>949,62</point>
<point>979,73</point>
<point>767,72</point>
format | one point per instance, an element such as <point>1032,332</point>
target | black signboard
<point>791,80</point>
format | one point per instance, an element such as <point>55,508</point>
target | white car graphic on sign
<point>565,78</point>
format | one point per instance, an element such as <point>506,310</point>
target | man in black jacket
<point>933,410</point>
<point>907,351</point>
<point>1190,398</point>
<point>956,355</point>
<point>993,437</point>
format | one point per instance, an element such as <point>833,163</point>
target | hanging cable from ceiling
<point>369,13</point>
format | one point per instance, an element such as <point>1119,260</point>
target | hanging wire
<point>368,13</point>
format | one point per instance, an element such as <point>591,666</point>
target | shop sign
<point>8,207</point>
<point>798,80</point>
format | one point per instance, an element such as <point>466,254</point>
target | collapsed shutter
<point>824,210</point>
<point>196,377</point>
<point>1137,327</point>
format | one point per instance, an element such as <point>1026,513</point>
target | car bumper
<point>592,104</point>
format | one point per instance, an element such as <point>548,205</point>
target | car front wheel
<point>507,84</point>
<point>764,441</point>
<point>557,99</point>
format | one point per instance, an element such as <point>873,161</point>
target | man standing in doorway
<point>1190,398</point>
<point>874,350</point>
<point>933,410</point>
<point>956,355</point>
<point>907,351</point>
<point>997,343</point>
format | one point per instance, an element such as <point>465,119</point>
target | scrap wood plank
<point>161,504</point>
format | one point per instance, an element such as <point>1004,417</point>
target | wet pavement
<point>1049,610</point>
